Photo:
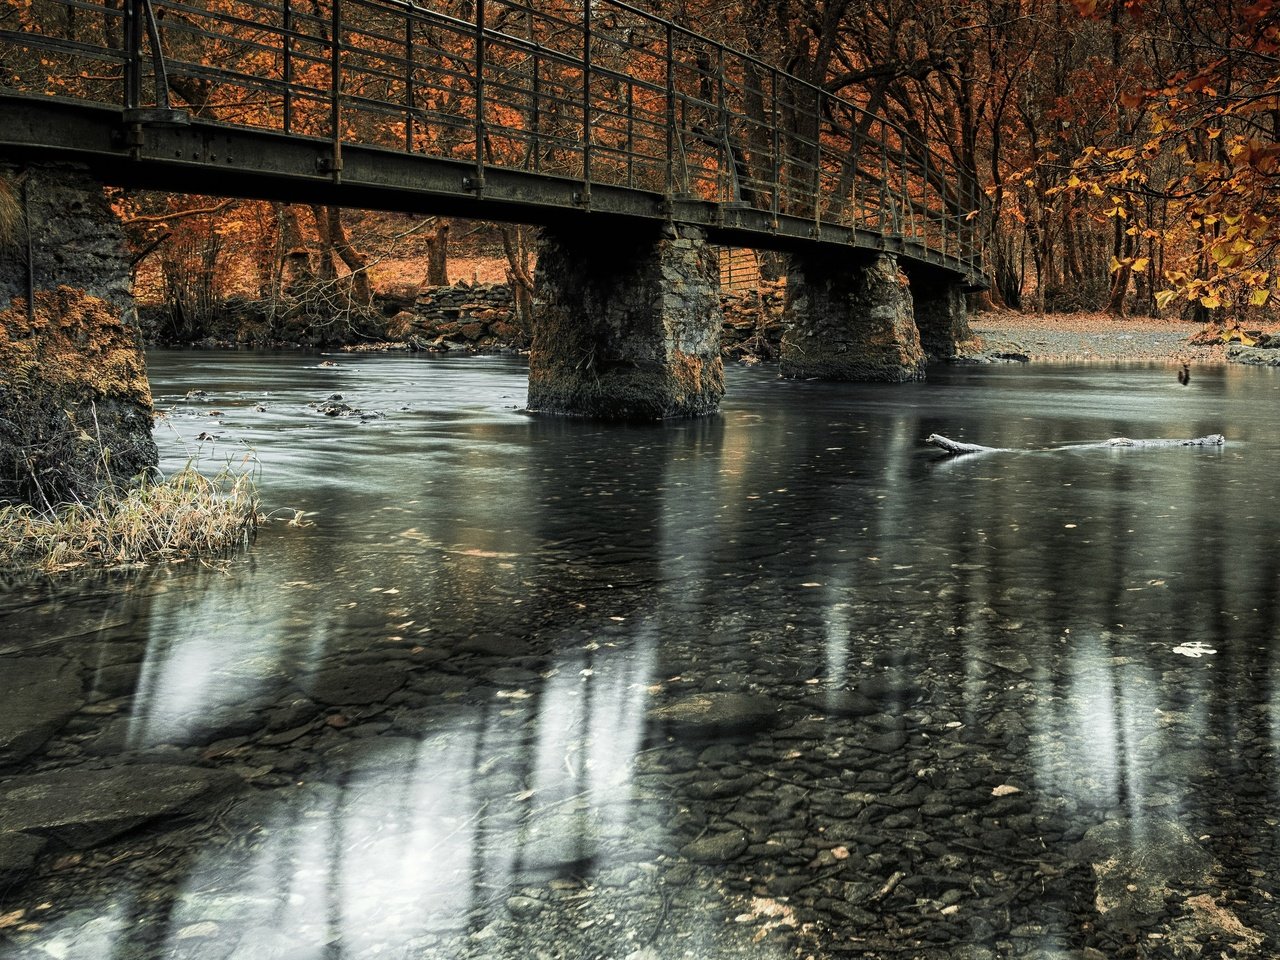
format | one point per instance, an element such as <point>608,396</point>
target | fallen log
<point>957,447</point>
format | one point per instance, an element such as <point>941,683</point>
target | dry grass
<point>186,514</point>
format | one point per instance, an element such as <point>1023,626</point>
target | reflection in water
<point>777,683</point>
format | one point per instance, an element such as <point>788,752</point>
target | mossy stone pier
<point>849,318</point>
<point>75,406</point>
<point>860,317</point>
<point>940,313</point>
<point>626,324</point>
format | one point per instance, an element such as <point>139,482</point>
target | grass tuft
<point>165,518</point>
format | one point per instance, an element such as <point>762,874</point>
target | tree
<point>1199,168</point>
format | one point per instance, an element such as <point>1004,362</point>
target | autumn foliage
<point>1126,149</point>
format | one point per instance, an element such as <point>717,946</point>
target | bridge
<point>634,141</point>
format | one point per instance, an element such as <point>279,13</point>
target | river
<point>783,682</point>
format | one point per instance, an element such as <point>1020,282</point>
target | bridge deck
<point>597,112</point>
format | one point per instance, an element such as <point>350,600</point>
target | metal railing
<point>593,90</point>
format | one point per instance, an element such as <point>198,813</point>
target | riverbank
<point>1087,337</point>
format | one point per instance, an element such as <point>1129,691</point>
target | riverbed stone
<point>848,317</point>
<point>347,685</point>
<point>715,713</point>
<point>82,808</point>
<point>562,841</point>
<point>75,405</point>
<point>716,847</point>
<point>1137,862</point>
<point>626,325</point>
<point>37,696</point>
<point>18,852</point>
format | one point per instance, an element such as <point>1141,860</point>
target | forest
<point>1125,155</point>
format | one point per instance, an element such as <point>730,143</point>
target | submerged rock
<point>1136,862</point>
<point>82,808</point>
<point>346,685</point>
<point>39,694</point>
<point>18,852</point>
<point>709,714</point>
<point>716,847</point>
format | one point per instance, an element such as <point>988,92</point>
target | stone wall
<point>75,406</point>
<point>461,316</point>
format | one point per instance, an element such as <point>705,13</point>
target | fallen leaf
<point>1004,790</point>
<point>11,919</point>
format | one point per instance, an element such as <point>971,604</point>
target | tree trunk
<point>353,259</point>
<point>438,257</point>
<point>334,242</point>
<point>515,243</point>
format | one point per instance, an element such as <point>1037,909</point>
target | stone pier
<point>75,406</point>
<point>941,315</point>
<point>849,317</point>
<point>626,324</point>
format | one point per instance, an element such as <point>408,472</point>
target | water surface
<point>782,682</point>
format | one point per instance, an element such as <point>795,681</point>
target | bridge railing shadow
<point>595,91</point>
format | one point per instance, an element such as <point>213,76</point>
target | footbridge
<point>637,143</point>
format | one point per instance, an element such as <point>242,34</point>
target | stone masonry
<point>847,319</point>
<point>626,326</point>
<point>75,406</point>
<point>941,316</point>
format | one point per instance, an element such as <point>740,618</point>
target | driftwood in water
<point>956,447</point>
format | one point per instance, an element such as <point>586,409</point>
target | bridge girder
<point>215,159</point>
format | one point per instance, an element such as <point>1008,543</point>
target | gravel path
<point>1089,337</point>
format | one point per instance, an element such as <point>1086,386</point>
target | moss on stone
<point>626,328</point>
<point>75,405</point>
<point>76,346</point>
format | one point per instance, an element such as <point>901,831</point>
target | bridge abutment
<point>75,405</point>
<point>626,324</point>
<point>849,319</point>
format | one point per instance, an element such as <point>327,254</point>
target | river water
<point>782,682</point>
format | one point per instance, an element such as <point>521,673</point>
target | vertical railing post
<point>477,181</point>
<point>817,160</point>
<point>885,200</point>
<point>409,91</point>
<point>927,190</point>
<point>133,55</point>
<point>287,37</point>
<point>586,102</point>
<point>776,205</point>
<point>671,112</point>
<point>726,159</point>
<point>335,87</point>
<point>631,134</point>
<point>537,109</point>
<point>909,220</point>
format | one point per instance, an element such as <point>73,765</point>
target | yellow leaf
<point>1140,264</point>
<point>1259,298</point>
<point>1165,297</point>
<point>1211,301</point>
